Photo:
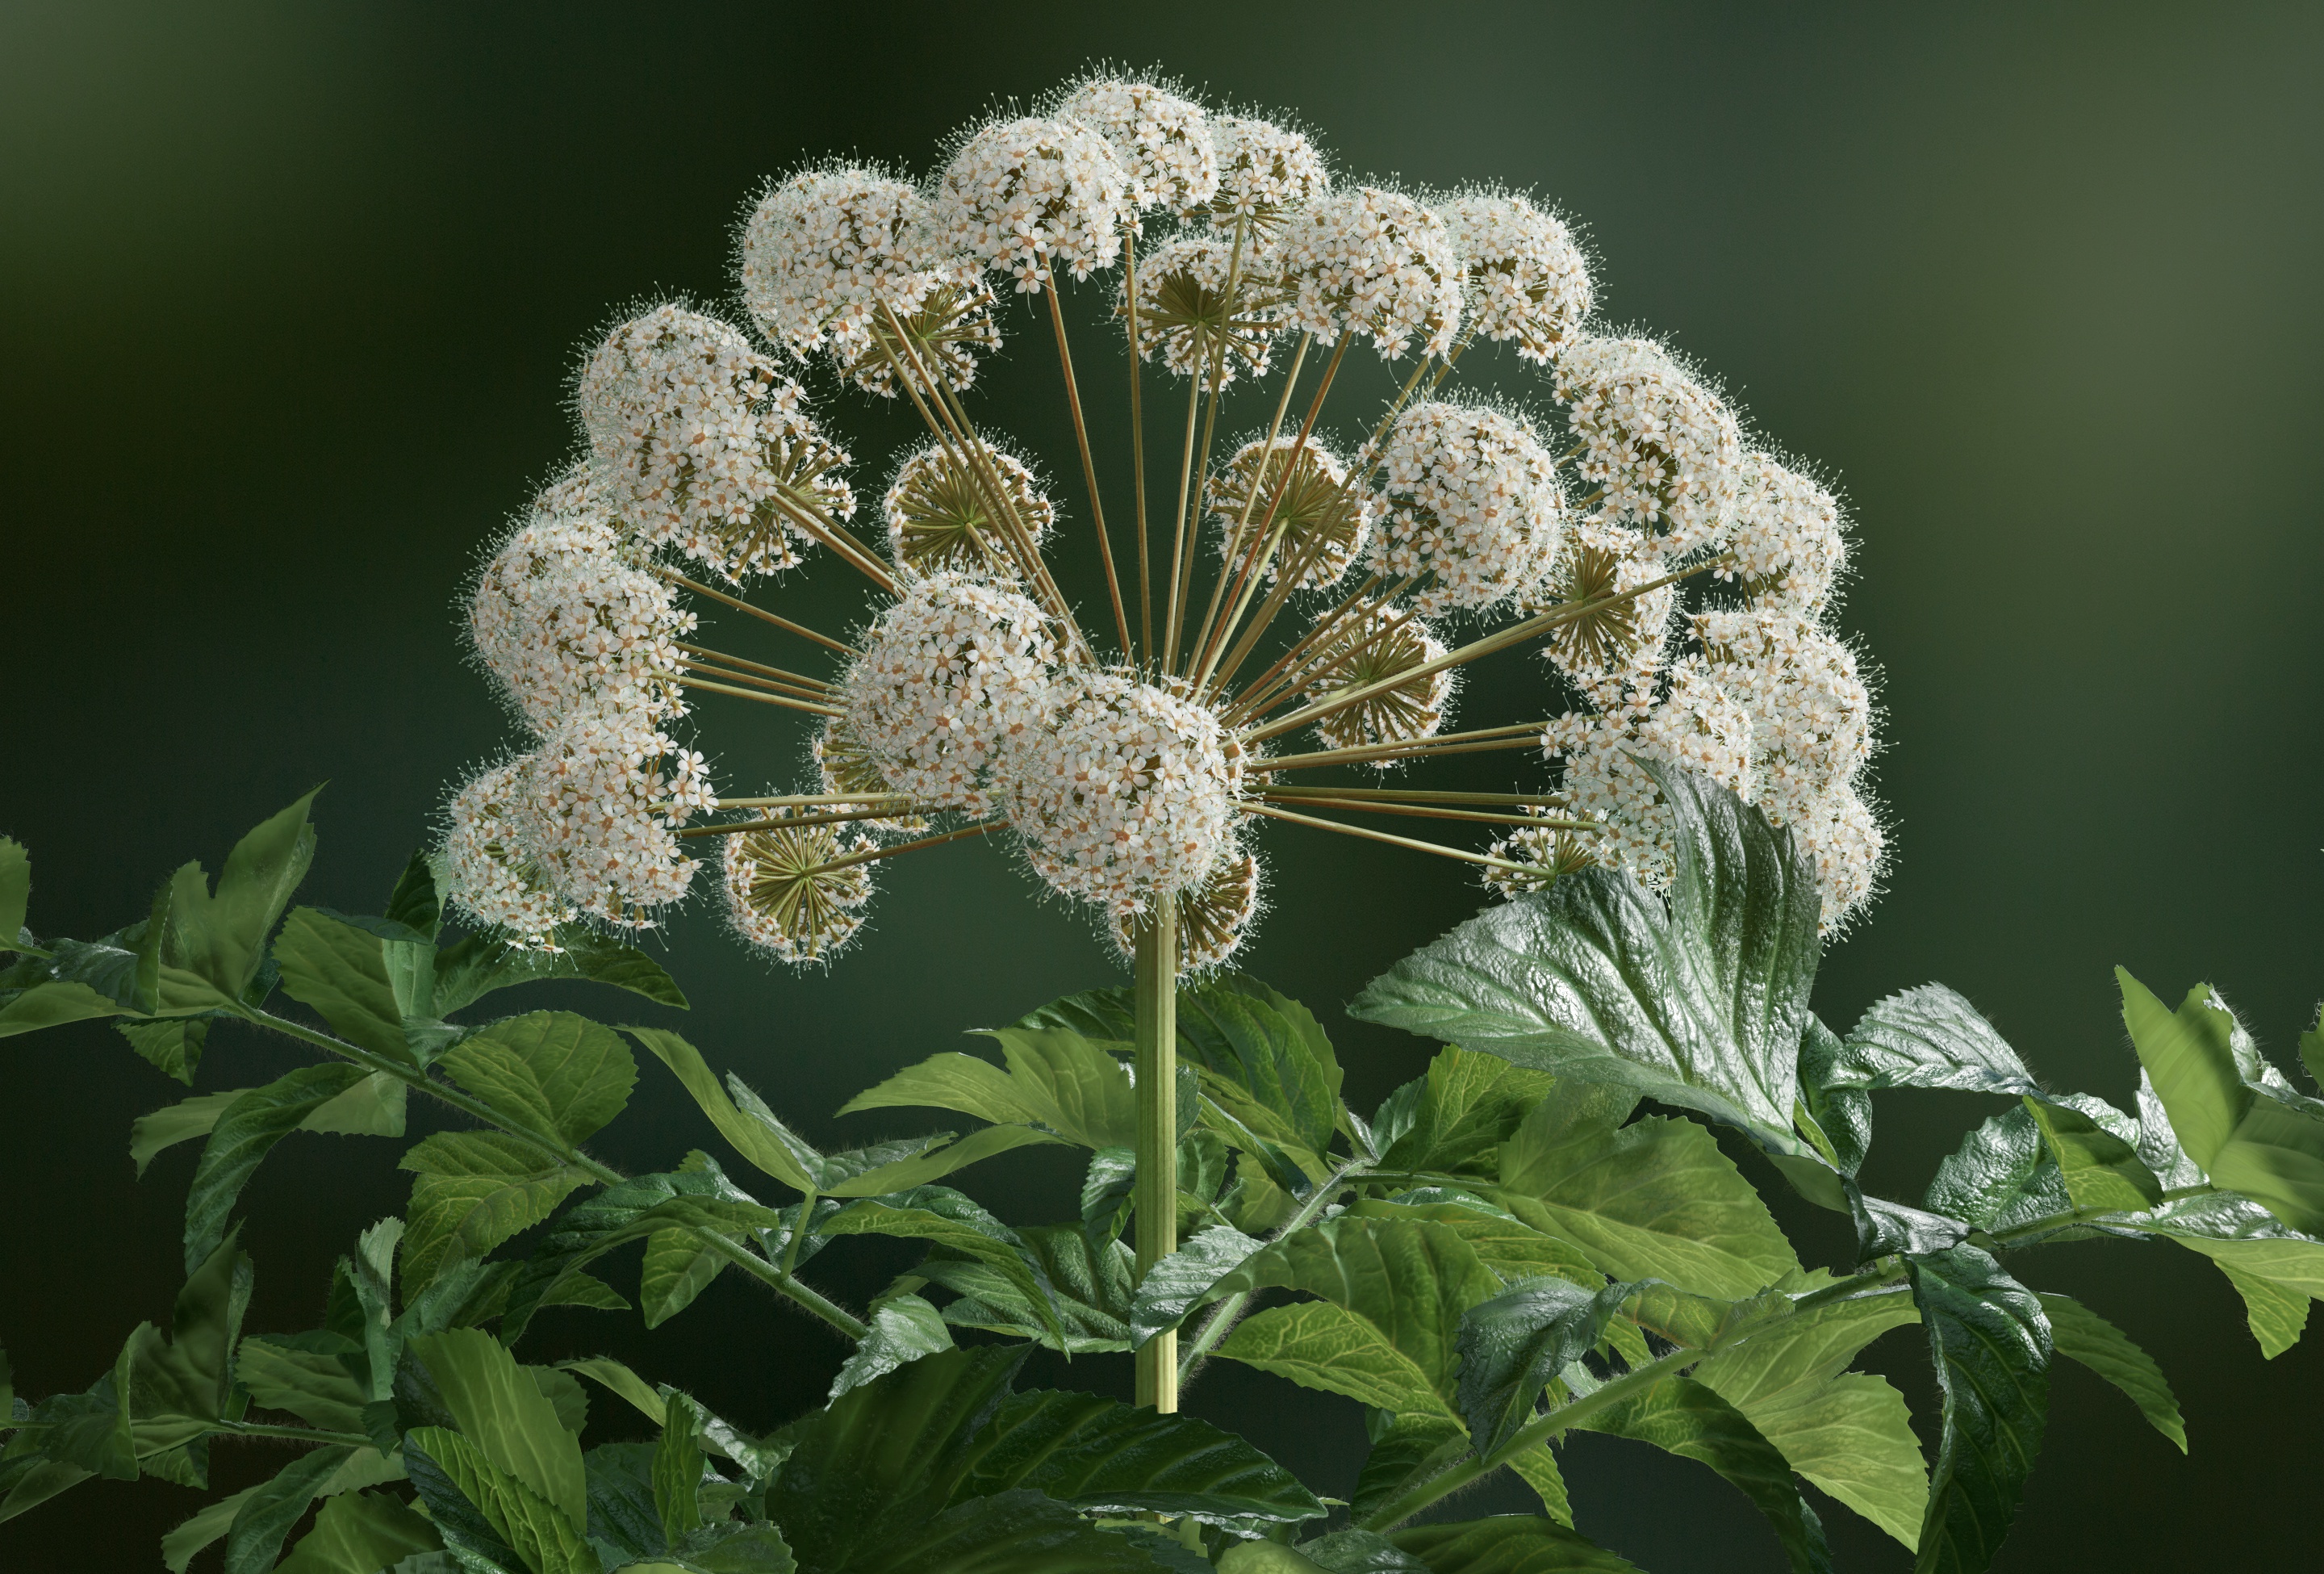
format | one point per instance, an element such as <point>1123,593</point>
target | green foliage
<point>1990,1344</point>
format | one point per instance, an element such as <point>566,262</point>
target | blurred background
<point>289,298</point>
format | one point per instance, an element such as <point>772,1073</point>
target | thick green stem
<point>749,1262</point>
<point>1156,1188</point>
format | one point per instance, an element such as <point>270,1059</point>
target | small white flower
<point>827,250</point>
<point>1527,280</point>
<point>1665,452</point>
<point>1468,502</point>
<point>1324,523</point>
<point>605,793</point>
<point>781,895</point>
<point>1162,140</point>
<point>1188,317</point>
<point>940,514</point>
<point>1788,540</point>
<point>1023,195</point>
<point>489,873</point>
<point>1376,263</point>
<point>1264,170</point>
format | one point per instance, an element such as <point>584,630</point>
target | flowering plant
<point>1501,1253</point>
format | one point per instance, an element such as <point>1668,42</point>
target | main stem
<point>1156,1195</point>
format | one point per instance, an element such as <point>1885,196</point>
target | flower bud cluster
<point>1665,450</point>
<point>1021,196</point>
<point>700,442</point>
<point>1264,170</point>
<point>1468,502</point>
<point>1375,645</point>
<point>487,869</point>
<point>951,674</point>
<point>1161,139</point>
<point>782,894</point>
<point>828,251</point>
<point>1126,793</point>
<point>940,515</point>
<point>1189,317</point>
<point>1213,916</point>
<point>1529,282</point>
<point>563,619</point>
<point>1376,263</point>
<point>1324,523</point>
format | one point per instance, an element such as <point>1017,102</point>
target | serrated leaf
<point>1508,1544</point>
<point>904,1327</point>
<point>549,1072</point>
<point>678,1266</point>
<point>341,970</point>
<point>2082,1334</point>
<point>51,1005</point>
<point>1102,1457</point>
<point>1852,1436</point>
<point>244,1133</point>
<point>619,1379</point>
<point>1071,1085</point>
<point>15,891</point>
<point>468,972</point>
<point>2098,1169</point>
<point>1512,1345</point>
<point>924,1160</point>
<point>1359,1552</point>
<point>360,1533</point>
<point>1455,1118</point>
<point>885,1454</point>
<point>519,1529</point>
<point>1318,1345</point>
<point>1681,1416</point>
<point>2278,1315</point>
<point>1182,1280</point>
<point>268,1514</point>
<point>178,1123</point>
<point>946,1218</point>
<point>1261,1063</point>
<point>1931,1037</point>
<point>2002,1175</point>
<point>1990,1344</point>
<point>1086,1284</point>
<point>1407,1450</point>
<point>1512,1249</point>
<point>471,1190</point>
<point>1840,1112</point>
<point>501,1410</point>
<point>1012,1533</point>
<point>192,1534</point>
<point>1655,1199</point>
<point>214,940</point>
<point>677,1472</point>
<point>1698,1003</point>
<point>1883,1228</point>
<point>315,1385</point>
<point>750,1138</point>
<point>172,1045</point>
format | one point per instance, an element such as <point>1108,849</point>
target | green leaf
<point>1513,1344</point>
<point>1359,1552</point>
<point>2278,1315</point>
<point>1537,1468</point>
<point>1698,1003</point>
<point>215,942</point>
<point>180,1122</point>
<point>466,1493</point>
<point>1055,1079</point>
<point>194,1533</point>
<point>271,1509</point>
<point>1990,1344</point>
<point>2099,1168</point>
<point>1681,1416</point>
<point>360,1533</point>
<point>315,1385</point>
<point>52,1005</point>
<point>342,972</point>
<point>549,1072</point>
<point>751,1138</point>
<point>1512,1249</point>
<point>173,1044</point>
<point>1089,1285</point>
<point>2002,1175</point>
<point>1508,1544</point>
<point>1318,1345</point>
<point>473,1190</point>
<point>886,1454</point>
<point>1655,1199</point>
<point>1263,1066</point>
<point>2082,1334</point>
<point>1102,1457</point>
<point>619,1379</point>
<point>679,1266</point>
<point>1183,1281</point>
<point>245,1133</point>
<point>946,1218</point>
<point>15,892</point>
<point>677,1472</point>
<point>1931,1037</point>
<point>937,1158</point>
<point>904,1327</point>
<point>1267,1558</point>
<point>501,1410</point>
<point>468,972</point>
<point>1455,1118</point>
<point>1012,1533</point>
<point>1852,1436</point>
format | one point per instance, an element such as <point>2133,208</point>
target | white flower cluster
<point>1264,170</point>
<point>954,672</point>
<point>1024,195</point>
<point>939,514</point>
<point>1468,502</point>
<point>1665,451</point>
<point>1127,794</point>
<point>605,793</point>
<point>1527,280</point>
<point>699,442</point>
<point>487,871</point>
<point>1613,655</point>
<point>827,251</point>
<point>1161,139</point>
<point>1372,263</point>
<point>1375,645</point>
<point>941,342</point>
<point>1787,541</point>
<point>563,620</point>
<point>784,896</point>
<point>1325,523</point>
<point>1187,316</point>
<point>1213,916</point>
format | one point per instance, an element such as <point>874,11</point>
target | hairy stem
<point>1222,1318</point>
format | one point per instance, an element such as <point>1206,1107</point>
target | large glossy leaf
<point>2234,1114</point>
<point>471,1190</point>
<point>215,940</point>
<point>2001,1176</point>
<point>1014,1532</point>
<point>341,970</point>
<point>1104,1457</point>
<point>1513,1344</point>
<point>1655,1199</point>
<point>2098,1168</point>
<point>1260,1063</point>
<point>1512,1249</point>
<point>480,964</point>
<point>1990,1344</point>
<point>1455,1118</point>
<point>1359,1552</point>
<point>1683,1417</point>
<point>904,1327</point>
<point>679,1266</point>
<point>549,1072</point>
<point>501,1410</point>
<point>1698,1001</point>
<point>1318,1345</point>
<point>1931,1037</point>
<point>173,1045</point>
<point>360,1533</point>
<point>1182,1280</point>
<point>177,1386</point>
<point>886,1455</point>
<point>1508,1544</point>
<point>243,1135</point>
<point>2082,1334</point>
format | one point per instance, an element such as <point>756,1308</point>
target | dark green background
<point>286,302</point>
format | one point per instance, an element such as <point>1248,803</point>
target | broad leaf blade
<point>1508,1544</point>
<point>243,1135</point>
<point>473,1190</point>
<point>1990,1344</point>
<point>215,940</point>
<point>2084,1336</point>
<point>342,972</point>
<point>904,1327</point>
<point>1318,1345</point>
<point>750,1138</point>
<point>504,1413</point>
